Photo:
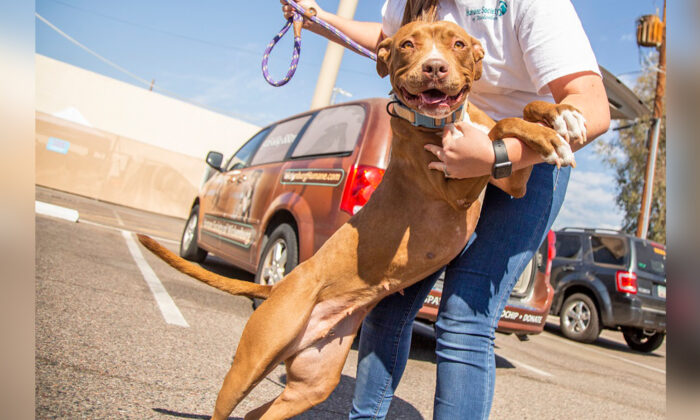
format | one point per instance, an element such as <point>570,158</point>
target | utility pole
<point>331,61</point>
<point>645,209</point>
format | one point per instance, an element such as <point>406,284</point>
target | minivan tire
<point>637,340</point>
<point>189,249</point>
<point>280,255</point>
<point>579,319</point>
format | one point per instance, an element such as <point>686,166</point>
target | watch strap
<point>503,167</point>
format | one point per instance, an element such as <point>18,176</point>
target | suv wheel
<point>189,249</point>
<point>579,318</point>
<point>639,341</point>
<point>280,255</point>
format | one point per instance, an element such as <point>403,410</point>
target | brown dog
<point>310,318</point>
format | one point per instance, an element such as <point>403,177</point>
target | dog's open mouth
<point>433,100</point>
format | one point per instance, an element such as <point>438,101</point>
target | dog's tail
<point>233,286</point>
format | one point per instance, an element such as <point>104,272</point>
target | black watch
<point>502,167</point>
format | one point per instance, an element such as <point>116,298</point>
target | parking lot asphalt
<point>105,347</point>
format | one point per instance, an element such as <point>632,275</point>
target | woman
<point>535,50</point>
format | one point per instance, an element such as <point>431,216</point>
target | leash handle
<point>297,20</point>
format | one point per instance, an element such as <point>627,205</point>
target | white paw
<point>552,159</point>
<point>571,125</point>
<point>561,156</point>
<point>566,155</point>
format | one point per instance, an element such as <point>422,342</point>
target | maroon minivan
<point>287,189</point>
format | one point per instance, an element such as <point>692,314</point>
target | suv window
<point>650,258</point>
<point>334,130</point>
<point>568,246</point>
<point>608,250</point>
<point>276,145</point>
<point>242,157</point>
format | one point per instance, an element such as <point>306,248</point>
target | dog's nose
<point>436,67</point>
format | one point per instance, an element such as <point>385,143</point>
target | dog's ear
<point>478,54</point>
<point>383,57</point>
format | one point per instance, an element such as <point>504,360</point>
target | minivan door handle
<point>568,267</point>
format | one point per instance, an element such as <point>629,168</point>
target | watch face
<point>502,170</point>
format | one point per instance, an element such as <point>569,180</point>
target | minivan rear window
<point>332,131</point>
<point>650,258</point>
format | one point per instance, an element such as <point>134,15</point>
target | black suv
<point>607,279</point>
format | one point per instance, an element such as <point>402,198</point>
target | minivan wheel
<point>579,318</point>
<point>280,255</point>
<point>189,249</point>
<point>637,340</point>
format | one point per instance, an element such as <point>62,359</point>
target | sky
<point>209,53</point>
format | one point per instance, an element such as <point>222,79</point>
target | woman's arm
<point>472,155</point>
<point>367,34</point>
<point>586,92</point>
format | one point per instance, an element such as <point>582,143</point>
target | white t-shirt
<point>528,43</point>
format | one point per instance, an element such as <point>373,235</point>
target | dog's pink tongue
<point>432,97</point>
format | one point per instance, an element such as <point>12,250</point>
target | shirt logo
<point>485,13</point>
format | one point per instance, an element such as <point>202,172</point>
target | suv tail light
<point>551,250</point>
<point>626,282</point>
<point>361,183</point>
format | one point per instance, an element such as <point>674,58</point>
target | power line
<point>127,72</point>
<point>162,31</point>
<point>103,59</point>
<point>191,38</point>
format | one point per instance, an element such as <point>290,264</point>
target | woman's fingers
<point>436,150</point>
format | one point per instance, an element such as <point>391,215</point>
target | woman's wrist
<point>520,154</point>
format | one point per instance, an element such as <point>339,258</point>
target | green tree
<point>626,153</point>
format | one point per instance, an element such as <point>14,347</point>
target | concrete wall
<point>109,140</point>
<point>113,168</point>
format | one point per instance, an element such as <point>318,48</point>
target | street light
<point>337,90</point>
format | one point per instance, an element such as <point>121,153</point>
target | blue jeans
<point>476,289</point>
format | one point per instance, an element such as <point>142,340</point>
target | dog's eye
<point>407,44</point>
<point>459,44</point>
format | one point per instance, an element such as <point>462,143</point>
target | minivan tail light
<point>626,282</point>
<point>361,183</point>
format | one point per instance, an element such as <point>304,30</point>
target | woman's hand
<point>466,152</point>
<point>306,4</point>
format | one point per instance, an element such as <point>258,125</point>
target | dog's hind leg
<point>271,335</point>
<point>313,373</point>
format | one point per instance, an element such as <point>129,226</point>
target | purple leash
<point>297,20</point>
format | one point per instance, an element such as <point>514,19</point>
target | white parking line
<point>119,219</point>
<point>167,307</point>
<point>528,367</point>
<point>53,210</point>
<point>586,347</point>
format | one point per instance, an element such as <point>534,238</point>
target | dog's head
<point>432,66</point>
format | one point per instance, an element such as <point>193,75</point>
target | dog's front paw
<point>570,123</point>
<point>565,119</point>
<point>562,155</point>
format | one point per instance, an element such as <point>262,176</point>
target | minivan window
<point>276,145</point>
<point>608,250</point>
<point>650,258</point>
<point>568,246</point>
<point>241,158</point>
<point>333,131</point>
